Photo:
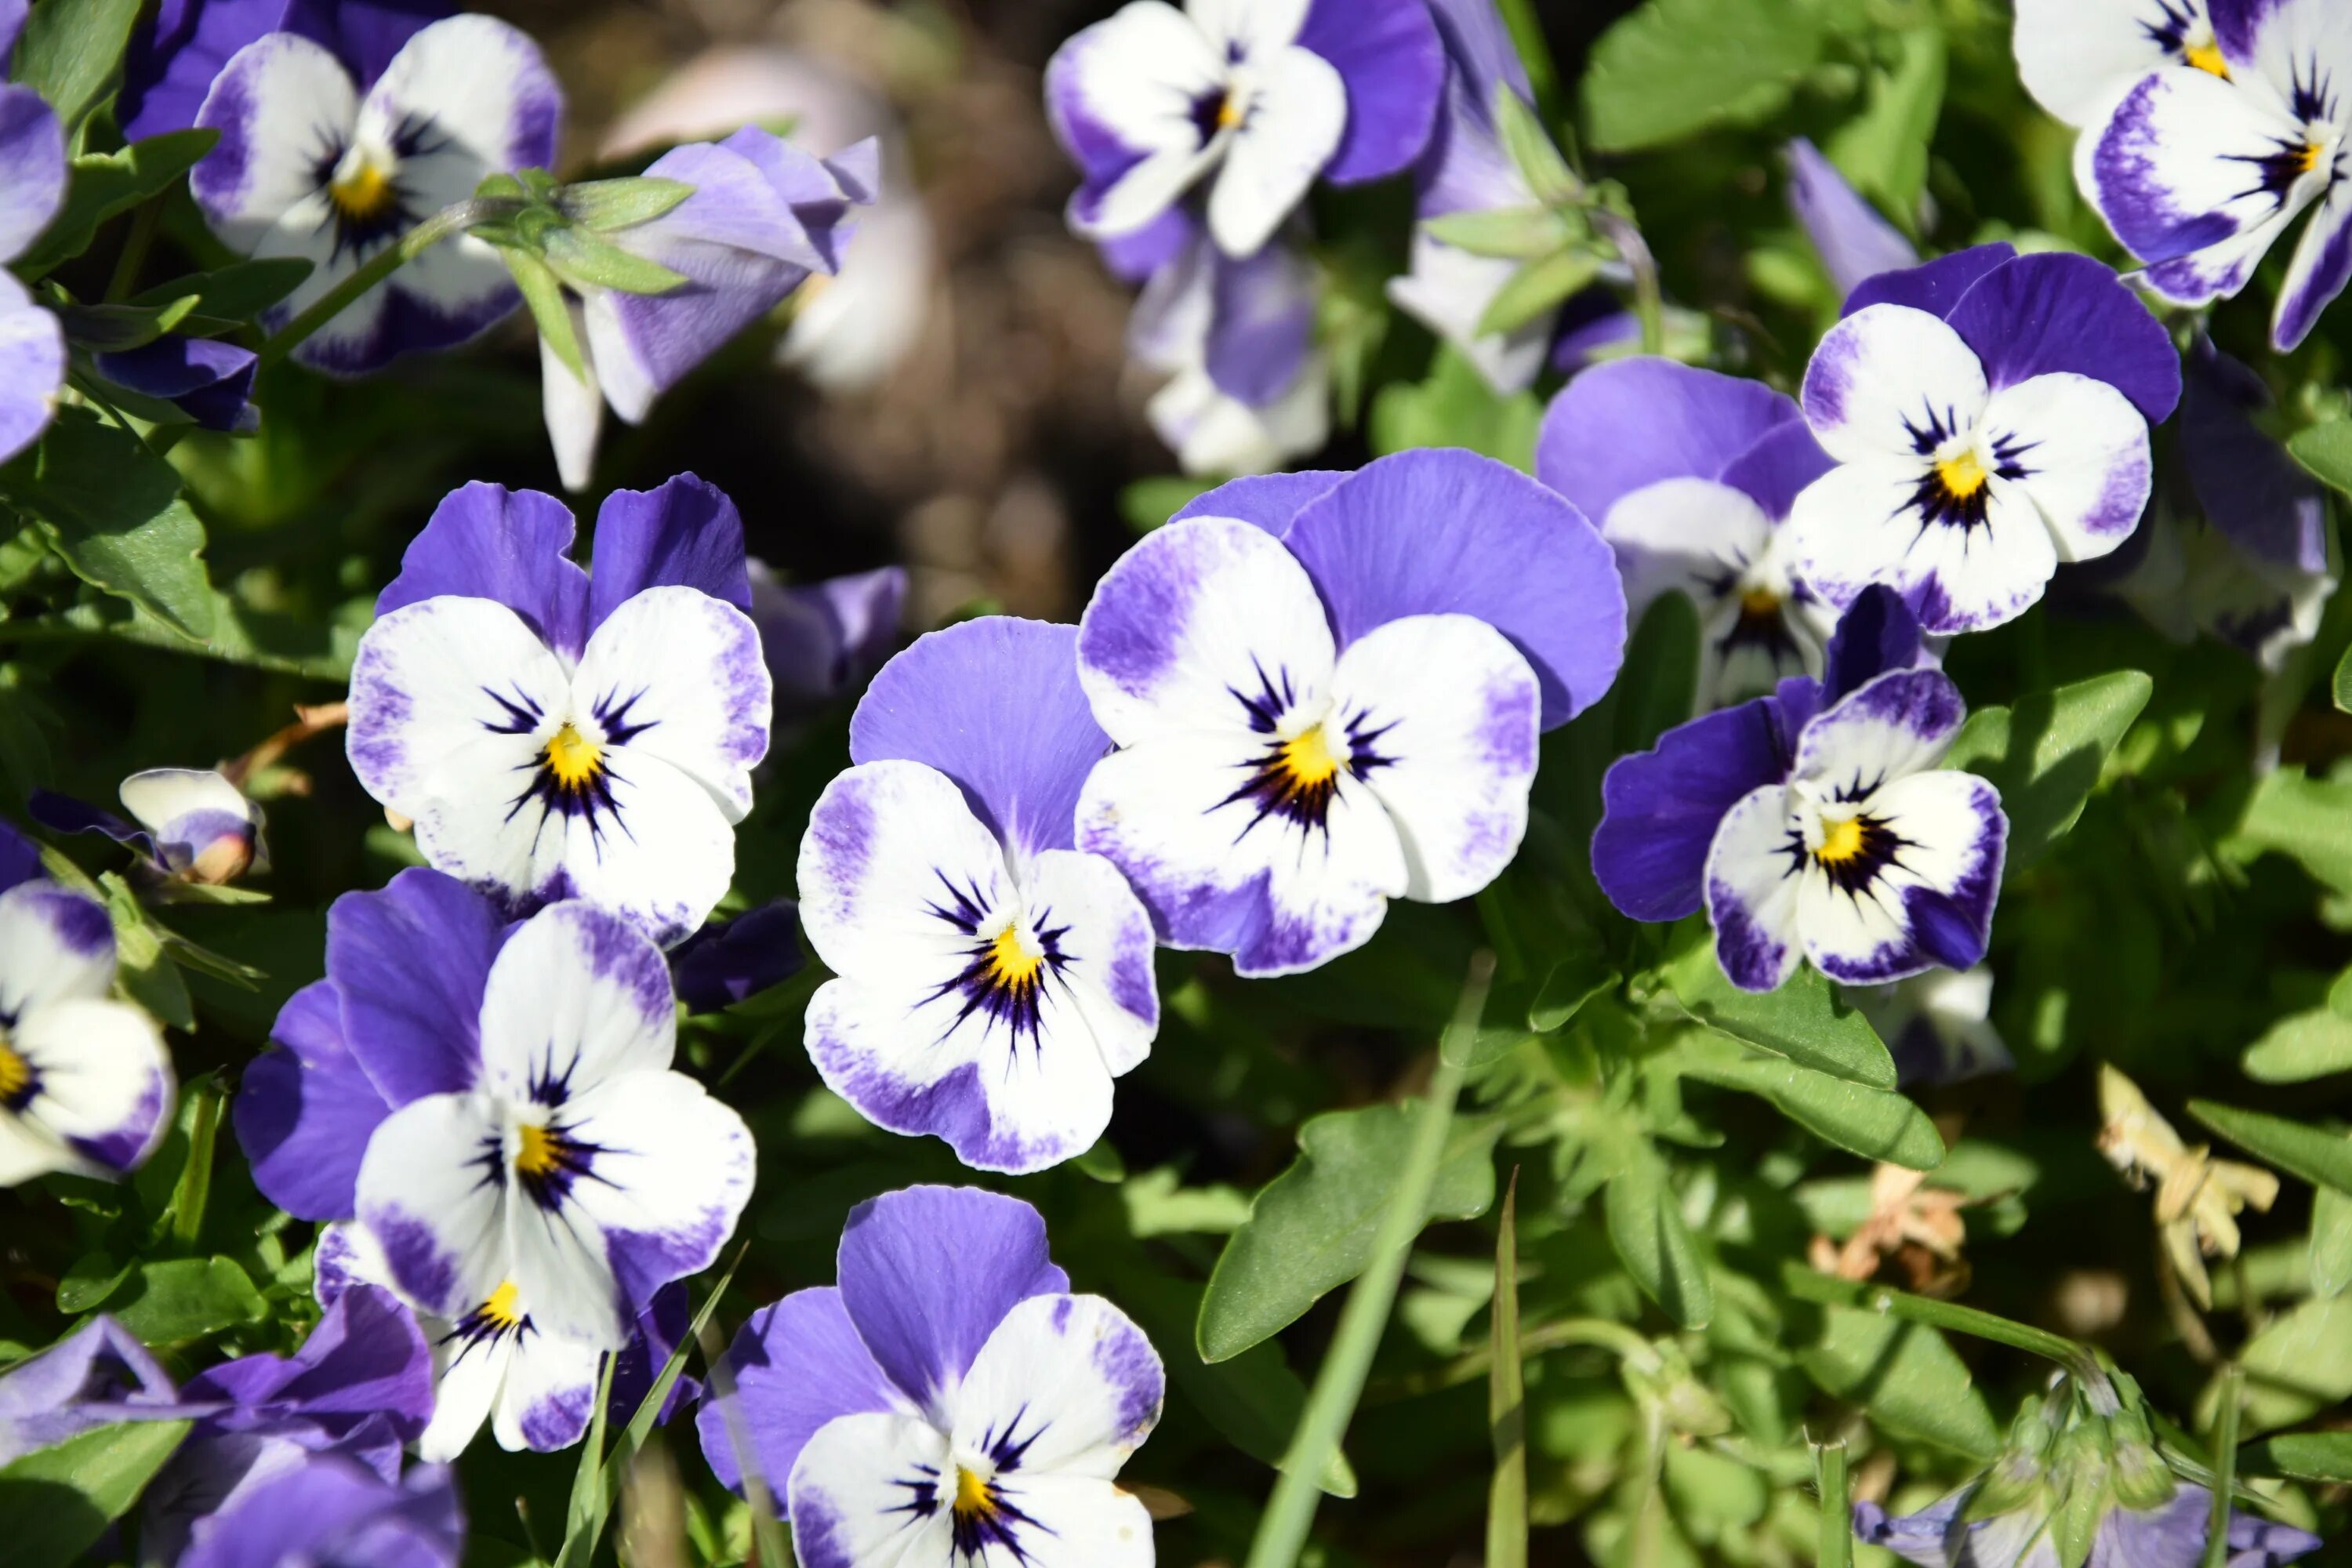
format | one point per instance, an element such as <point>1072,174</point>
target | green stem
<point>454,218</point>
<point>1809,1285</point>
<point>1837,1521</point>
<point>135,251</point>
<point>1599,1332</point>
<point>2225,1466</point>
<point>1496,918</point>
<point>195,1188</point>
<point>1290,1511</point>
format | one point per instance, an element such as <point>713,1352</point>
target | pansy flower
<point>993,980</point>
<point>948,1401</point>
<point>1813,823</point>
<point>308,166</point>
<point>1326,691</point>
<point>1691,475</point>
<point>208,382</point>
<point>763,216</point>
<point>1938,1026</point>
<point>1854,241</point>
<point>1251,99</point>
<point>85,1084</point>
<point>556,735</point>
<point>1248,389</point>
<point>1988,414</point>
<point>189,824</point>
<point>98,1374</point>
<point>2199,168</point>
<point>177,50</point>
<point>335,1509</point>
<point>564,1173</point>
<point>2074,56</point>
<point>383,1030</point>
<point>31,342</point>
<point>824,640</point>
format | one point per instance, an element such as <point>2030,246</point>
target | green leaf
<point>94,1276</point>
<point>1876,1123</point>
<point>586,262</point>
<point>2305,1455</point>
<point>1507,1402</point>
<point>2318,1156</point>
<point>2331,1242</point>
<point>1149,503</point>
<point>69,51</point>
<point>2298,1364</point>
<point>59,1500</point>
<point>1532,151</point>
<point>1573,982</point>
<point>1906,1376</point>
<point>1310,1229</point>
<point>2045,754</point>
<point>237,292</point>
<point>603,205</point>
<point>1676,67</point>
<point>1455,408</point>
<point>142,968</point>
<point>1539,286</point>
<point>1646,1227</point>
<point>2340,688</point>
<point>1804,1020</point>
<point>113,508</point>
<point>2326,453</point>
<point>110,329</point>
<point>1884,150</point>
<point>2306,819</point>
<point>1516,233</point>
<point>105,184</point>
<point>549,310</point>
<point>186,1299</point>
<point>2302,1047</point>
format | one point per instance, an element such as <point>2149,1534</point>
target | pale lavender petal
<point>98,1374</point>
<point>824,640</point>
<point>486,542</point>
<point>1632,422</point>
<point>32,367</point>
<point>1261,322</point>
<point>1388,53</point>
<point>1877,634</point>
<point>795,1365</point>
<point>303,1113</point>
<point>1272,502</point>
<point>174,56</point>
<point>1776,470</point>
<point>33,153</point>
<point>335,1509</point>
<point>211,381</point>
<point>685,532</point>
<point>1853,240</point>
<point>364,1358</point>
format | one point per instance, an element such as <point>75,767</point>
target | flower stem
<point>454,218</point>
<point>1290,1510</point>
<point>2225,1465</point>
<point>1649,299</point>
<point>1837,1521</point>
<point>1825,1290</point>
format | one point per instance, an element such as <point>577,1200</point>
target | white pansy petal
<point>682,671</point>
<point>1448,290</point>
<point>2074,53</point>
<point>1138,74</point>
<point>1449,713</point>
<point>548,1393</point>
<point>573,406</point>
<point>1108,942</point>
<point>1257,25</point>
<point>1898,724</point>
<point>671,1170</point>
<point>2080,453</point>
<point>2220,271</point>
<point>467,1374</point>
<point>1203,616</point>
<point>160,796</point>
<point>1862,523</point>
<point>26,1151</point>
<point>661,858</point>
<point>1927,897</point>
<point>1290,127</point>
<point>892,861</point>
<point>1689,535</point>
<point>1883,375</point>
<point>54,945</point>
<point>101,1080</point>
<point>559,1263</point>
<point>1081,1523</point>
<point>575,997</point>
<point>260,187</point>
<point>422,1194</point>
<point>1751,891</point>
<point>1148,190</point>
<point>1069,1380</point>
<point>872,1488</point>
<point>2317,272</point>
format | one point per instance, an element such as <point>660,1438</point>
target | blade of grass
<point>1837,1511</point>
<point>1507,1402</point>
<point>2225,1465</point>
<point>1290,1510</point>
<point>1825,1290</point>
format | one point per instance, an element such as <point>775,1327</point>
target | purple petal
<point>2321,266</point>
<point>410,963</point>
<point>1659,809</point>
<point>1591,321</point>
<point>20,857</point>
<point>66,813</point>
<point>994,704</point>
<point>1271,501</point>
<point>927,1273</point>
<point>2053,313</point>
<point>1132,258</point>
<point>1437,531</point>
<point>1632,422</point>
<point>100,1373</point>
<point>1877,634</point>
<point>366,1357</point>
<point>824,640</point>
<point>1388,54</point>
<point>32,367</point>
<point>1935,286</point>
<point>1779,465</point>
<point>686,532</point>
<point>211,381</point>
<point>1261,322</point>
<point>660,1328</point>
<point>333,1509</point>
<point>173,59</point>
<point>304,1112</point>
<point>729,960</point>
<point>1853,240</point>
<point>2251,489</point>
<point>796,1365</point>
<point>486,542</point>
<point>33,152</point>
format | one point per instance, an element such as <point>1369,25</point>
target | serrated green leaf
<point>1876,1123</point>
<point>1906,1376</point>
<point>59,1500</point>
<point>141,967</point>
<point>113,511</point>
<point>1805,1020</point>
<point>1310,1229</point>
<point>1571,982</point>
<point>1653,1241</point>
<point>68,52</point>
<point>186,1299</point>
<point>1516,234</point>
<point>102,184</point>
<point>1538,287</point>
<point>2045,753</point>
<point>606,204</point>
<point>582,261</point>
<point>1676,67</point>
<point>2301,1046</point>
<point>237,292</point>
<point>2318,1156</point>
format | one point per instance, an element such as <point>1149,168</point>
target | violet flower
<point>1989,413</point>
<point>1853,240</point>
<point>335,1509</point>
<point>2073,58</point>
<point>948,1399</point>
<point>97,1374</point>
<point>209,381</point>
<point>822,641</point>
<point>733,961</point>
<point>1248,388</point>
<point>1813,823</point>
<point>31,342</point>
<point>175,53</point>
<point>993,979</point>
<point>191,824</point>
<point>1327,690</point>
<point>1937,1026</point>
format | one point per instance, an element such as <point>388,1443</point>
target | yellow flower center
<point>1306,758</point>
<point>1962,473</point>
<point>2207,57</point>
<point>500,1312</point>
<point>574,760</point>
<point>1013,960</point>
<point>1840,841</point>
<point>1758,602</point>
<point>362,192</point>
<point>2309,159</point>
<point>973,1500</point>
<point>538,1153</point>
<point>1229,112</point>
<point>15,1075</point>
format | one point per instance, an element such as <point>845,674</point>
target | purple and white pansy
<point>1938,1026</point>
<point>560,1172</point>
<point>309,166</point>
<point>180,45</point>
<point>993,979</point>
<point>2074,56</point>
<point>1813,823</point>
<point>1325,691</point>
<point>32,342</point>
<point>2201,163</point>
<point>556,735</point>
<point>1248,388</point>
<point>948,1402</point>
<point>1251,99</point>
<point>1691,475</point>
<point>2169,1535</point>
<point>190,825</point>
<point>1989,417</point>
<point>86,1086</point>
